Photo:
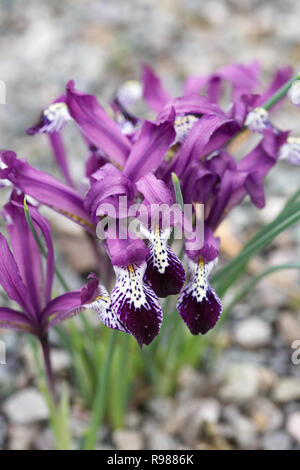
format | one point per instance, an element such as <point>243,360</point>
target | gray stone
<point>293,425</point>
<point>243,430</point>
<point>265,415</point>
<point>289,327</point>
<point>287,389</point>
<point>160,407</point>
<point>253,333</point>
<point>277,440</point>
<point>128,440</point>
<point>26,406</point>
<point>157,439</point>
<point>60,360</point>
<point>240,383</point>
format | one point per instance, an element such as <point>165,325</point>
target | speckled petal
<point>164,272</point>
<point>135,304</point>
<point>52,119</point>
<point>102,305</point>
<point>198,304</point>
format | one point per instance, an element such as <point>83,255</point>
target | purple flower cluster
<point>191,136</point>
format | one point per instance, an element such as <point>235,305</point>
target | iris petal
<point>135,304</point>
<point>102,305</point>
<point>164,272</point>
<point>53,119</point>
<point>198,304</point>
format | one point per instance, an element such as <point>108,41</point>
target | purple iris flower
<point>52,121</point>
<point>26,282</point>
<point>134,158</point>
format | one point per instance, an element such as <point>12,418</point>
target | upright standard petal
<point>96,125</point>
<point>135,304</point>
<point>154,93</point>
<point>149,149</point>
<point>207,135</point>
<point>164,272</point>
<point>45,189</point>
<point>11,280</point>
<point>243,78</point>
<point>26,252</point>
<point>198,304</point>
<point>60,156</point>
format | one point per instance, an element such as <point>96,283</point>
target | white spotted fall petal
<point>198,304</point>
<point>164,272</point>
<point>135,304</point>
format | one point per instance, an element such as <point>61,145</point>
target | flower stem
<point>280,93</point>
<point>48,367</point>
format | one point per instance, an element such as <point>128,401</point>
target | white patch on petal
<point>130,92</point>
<point>294,92</point>
<point>199,275</point>
<point>126,126</point>
<point>290,151</point>
<point>131,289</point>
<point>55,117</point>
<point>258,120</point>
<point>158,247</point>
<point>183,125</point>
<point>130,284</point>
<point>102,305</point>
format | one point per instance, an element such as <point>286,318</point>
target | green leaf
<point>252,283</point>
<point>225,277</point>
<point>177,189</point>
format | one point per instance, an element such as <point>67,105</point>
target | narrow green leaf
<point>177,189</point>
<point>253,282</point>
<point>225,277</point>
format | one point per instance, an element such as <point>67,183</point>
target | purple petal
<point>96,125</point>
<point>26,252</point>
<point>109,185</point>
<point>198,304</point>
<point>136,305</point>
<point>246,177</point>
<point>243,78</point>
<point>164,272</point>
<point>126,251</point>
<point>96,159</point>
<point>60,156</point>
<point>63,303</point>
<point>210,249</point>
<point>192,104</point>
<point>14,320</point>
<point>154,93</point>
<point>198,182</point>
<point>207,135</point>
<point>154,190</point>
<point>11,280</point>
<point>150,148</point>
<point>45,189</point>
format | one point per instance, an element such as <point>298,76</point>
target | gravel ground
<point>249,398</point>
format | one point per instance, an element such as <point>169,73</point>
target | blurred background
<point>244,391</point>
